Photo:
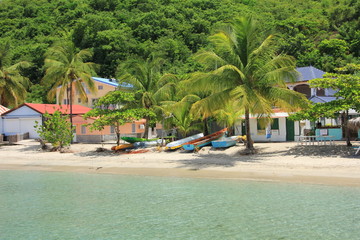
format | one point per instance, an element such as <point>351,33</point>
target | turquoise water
<point>42,205</point>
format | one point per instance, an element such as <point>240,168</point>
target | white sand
<point>335,165</point>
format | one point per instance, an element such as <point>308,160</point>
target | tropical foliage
<point>56,130</point>
<point>68,69</point>
<point>13,84</point>
<point>115,109</point>
<point>152,86</point>
<point>246,69</point>
<point>346,81</point>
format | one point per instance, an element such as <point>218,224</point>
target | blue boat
<point>200,142</point>
<point>224,142</point>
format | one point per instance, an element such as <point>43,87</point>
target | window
<point>100,87</point>
<point>66,101</point>
<point>79,100</point>
<point>85,88</point>
<point>133,127</point>
<point>275,124</point>
<point>112,129</point>
<point>261,127</point>
<point>93,101</point>
<point>83,129</point>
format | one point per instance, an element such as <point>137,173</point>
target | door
<point>290,130</point>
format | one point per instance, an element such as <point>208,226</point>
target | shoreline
<point>276,162</point>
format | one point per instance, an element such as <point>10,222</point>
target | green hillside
<point>322,33</point>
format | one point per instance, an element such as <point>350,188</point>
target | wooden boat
<point>197,143</point>
<point>225,142</point>
<point>178,144</point>
<point>146,144</point>
<point>122,147</point>
<point>135,139</point>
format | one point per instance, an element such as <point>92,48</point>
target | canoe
<point>224,142</point>
<point>122,147</point>
<point>197,143</point>
<point>178,143</point>
<point>135,139</point>
<point>146,144</point>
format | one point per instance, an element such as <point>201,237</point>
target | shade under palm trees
<point>152,86</point>
<point>245,68</point>
<point>67,68</point>
<point>12,84</point>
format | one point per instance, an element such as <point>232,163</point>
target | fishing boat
<point>197,143</point>
<point>146,144</point>
<point>224,142</point>
<point>135,139</point>
<point>122,147</point>
<point>178,143</point>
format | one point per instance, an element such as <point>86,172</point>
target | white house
<point>22,119</point>
<point>2,110</point>
<point>279,130</point>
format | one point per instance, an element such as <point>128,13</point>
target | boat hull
<point>135,139</point>
<point>201,142</point>
<point>179,143</point>
<point>224,143</point>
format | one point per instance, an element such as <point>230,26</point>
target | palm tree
<point>67,68</point>
<point>12,84</point>
<point>148,81</point>
<point>246,69</point>
<point>181,118</point>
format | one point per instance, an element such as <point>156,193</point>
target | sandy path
<point>335,165</point>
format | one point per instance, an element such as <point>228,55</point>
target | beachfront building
<point>20,122</point>
<point>2,110</point>
<point>283,129</point>
<point>102,86</point>
<point>22,119</point>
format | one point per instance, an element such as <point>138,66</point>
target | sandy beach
<point>285,162</point>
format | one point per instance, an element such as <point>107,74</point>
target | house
<point>84,133</point>
<point>281,128</point>
<point>2,110</point>
<point>102,86</point>
<point>23,118</point>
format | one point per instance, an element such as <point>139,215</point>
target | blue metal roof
<point>112,82</point>
<point>308,73</point>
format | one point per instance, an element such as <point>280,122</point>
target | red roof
<point>3,109</point>
<point>51,108</point>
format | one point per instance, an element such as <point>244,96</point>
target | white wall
<point>276,135</point>
<point>1,125</point>
<point>20,121</point>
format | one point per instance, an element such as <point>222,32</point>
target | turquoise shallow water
<point>42,205</point>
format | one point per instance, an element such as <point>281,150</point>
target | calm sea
<point>43,205</point>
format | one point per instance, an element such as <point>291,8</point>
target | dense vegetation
<point>322,33</point>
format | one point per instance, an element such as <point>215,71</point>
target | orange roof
<point>3,109</point>
<point>51,108</point>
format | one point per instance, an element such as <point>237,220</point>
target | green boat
<point>135,139</point>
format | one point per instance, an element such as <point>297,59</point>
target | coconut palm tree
<point>148,80</point>
<point>181,118</point>
<point>67,68</point>
<point>13,85</point>
<point>247,69</point>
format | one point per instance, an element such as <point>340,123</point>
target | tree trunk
<point>71,111</point>
<point>249,142</point>
<point>346,128</point>
<point>206,129</point>
<point>146,133</point>
<point>117,130</point>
